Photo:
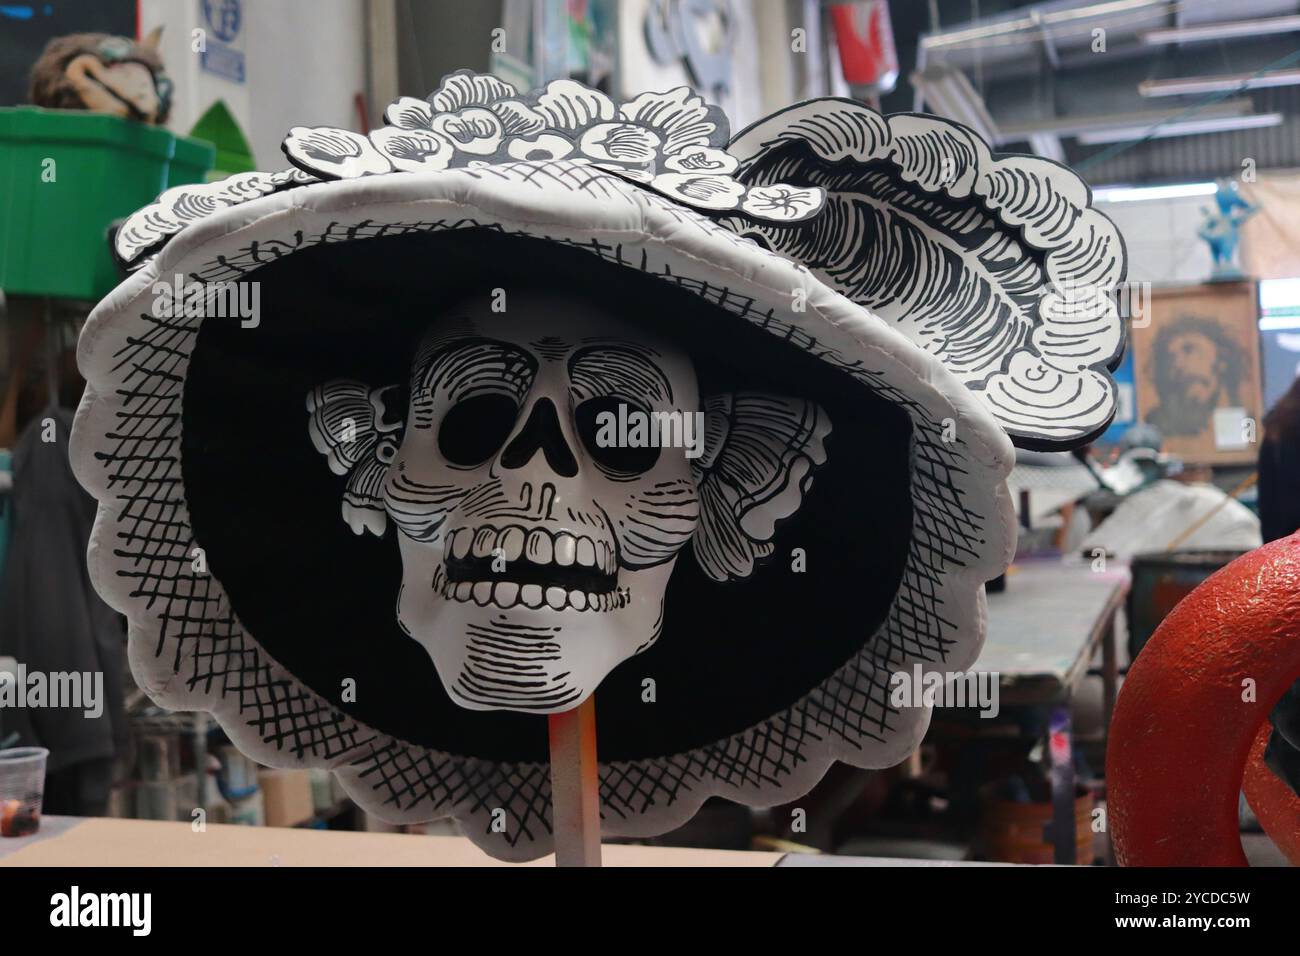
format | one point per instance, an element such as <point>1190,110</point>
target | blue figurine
<point>1220,230</point>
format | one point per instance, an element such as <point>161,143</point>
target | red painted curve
<point>1182,735</point>
<point>1275,804</point>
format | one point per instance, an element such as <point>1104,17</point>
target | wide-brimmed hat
<point>921,302</point>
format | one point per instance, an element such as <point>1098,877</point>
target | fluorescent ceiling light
<point>1029,28</point>
<point>1279,300</point>
<point>1187,127</point>
<point>1078,124</point>
<point>1279,294</point>
<point>1181,86</point>
<point>1141,193</point>
<point>1222,30</point>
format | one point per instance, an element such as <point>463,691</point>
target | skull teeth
<point>508,594</point>
<point>485,540</point>
<point>511,543</point>
<point>536,545</point>
<point>540,549</point>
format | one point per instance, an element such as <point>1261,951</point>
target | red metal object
<point>1192,718</point>
<point>1275,804</point>
<point>866,44</point>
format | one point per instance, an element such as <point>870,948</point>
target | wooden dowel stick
<point>1201,521</point>
<point>575,786</point>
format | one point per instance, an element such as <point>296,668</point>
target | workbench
<point>1044,631</point>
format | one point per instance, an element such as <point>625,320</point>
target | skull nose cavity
<point>542,430</point>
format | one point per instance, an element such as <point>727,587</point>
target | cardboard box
<point>286,797</point>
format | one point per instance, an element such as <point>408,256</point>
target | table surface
<point>1044,627</point>
<point>91,841</point>
<point>83,842</point>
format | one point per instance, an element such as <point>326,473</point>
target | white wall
<point>304,64</point>
<point>1160,234</point>
<point>762,66</point>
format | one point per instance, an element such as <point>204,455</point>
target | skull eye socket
<point>618,456</point>
<point>476,428</point>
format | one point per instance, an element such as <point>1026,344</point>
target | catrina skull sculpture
<point>490,306</point>
<point>536,541</point>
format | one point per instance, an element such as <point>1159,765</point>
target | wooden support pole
<point>575,786</point>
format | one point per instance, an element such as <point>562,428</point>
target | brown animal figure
<point>104,74</point>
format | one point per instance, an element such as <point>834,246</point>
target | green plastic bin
<point>191,162</point>
<point>65,176</point>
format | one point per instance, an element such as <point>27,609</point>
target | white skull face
<point>536,554</point>
<point>553,462</point>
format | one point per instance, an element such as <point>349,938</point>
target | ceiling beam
<point>1185,85</point>
<point>1221,30</point>
<point>1075,125</point>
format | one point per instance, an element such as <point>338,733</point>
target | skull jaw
<point>530,660</point>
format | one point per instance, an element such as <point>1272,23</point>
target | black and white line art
<point>396,483</point>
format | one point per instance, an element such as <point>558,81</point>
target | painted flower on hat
<point>540,148</point>
<point>781,201</point>
<point>621,143</point>
<point>702,159</point>
<point>414,149</point>
<point>706,192</point>
<point>673,142</point>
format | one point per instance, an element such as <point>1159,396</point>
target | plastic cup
<point>22,787</point>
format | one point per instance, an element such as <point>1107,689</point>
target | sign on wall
<point>223,53</point>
